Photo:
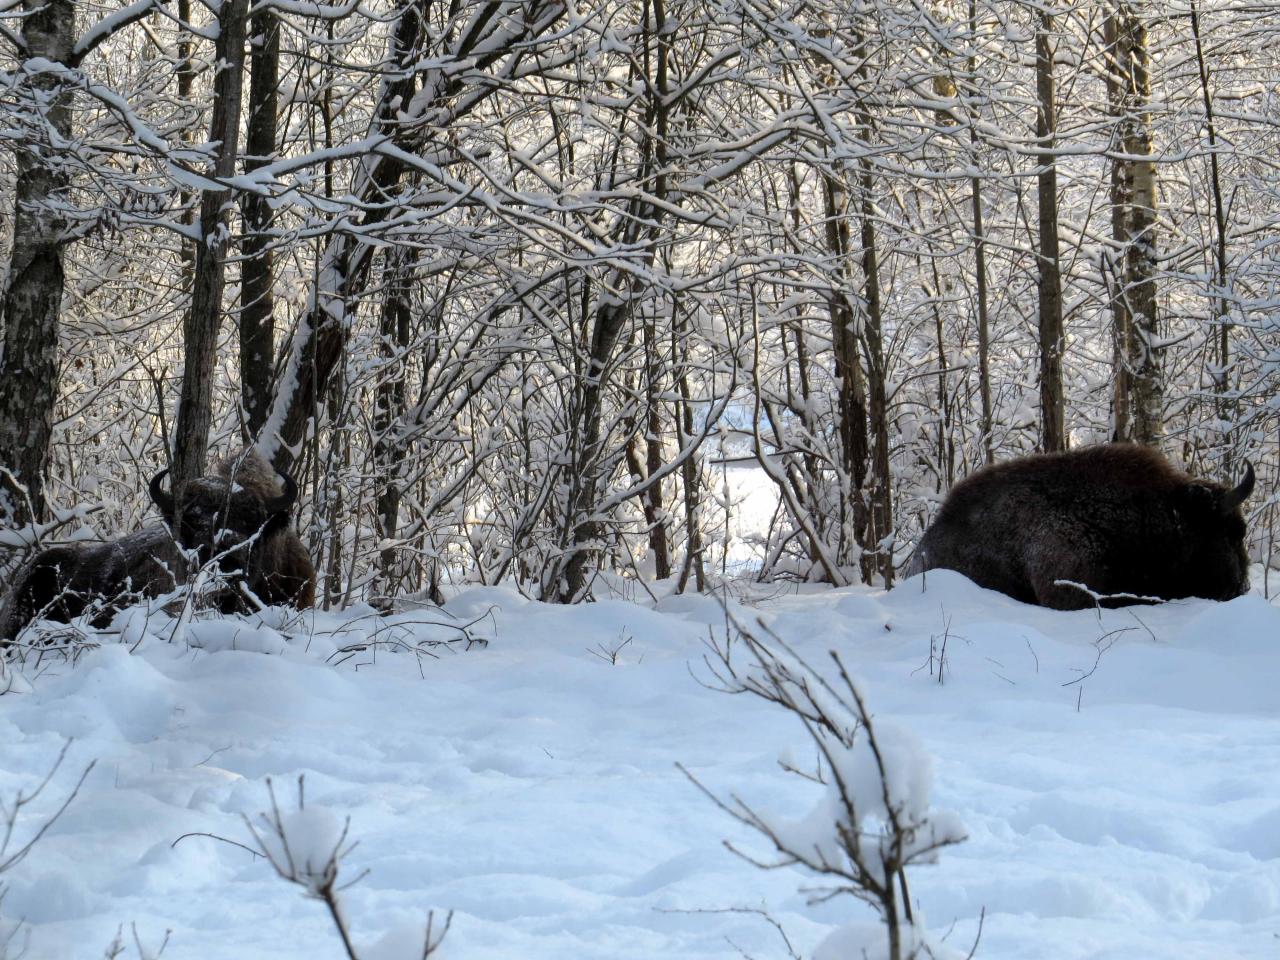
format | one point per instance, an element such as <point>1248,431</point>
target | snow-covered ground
<point>1119,804</point>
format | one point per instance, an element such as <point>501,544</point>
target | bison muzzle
<point>1117,519</point>
<point>238,521</point>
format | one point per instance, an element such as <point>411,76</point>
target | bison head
<point>219,518</point>
<point>1215,529</point>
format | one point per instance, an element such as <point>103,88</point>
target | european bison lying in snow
<point>240,516</point>
<point>1117,518</point>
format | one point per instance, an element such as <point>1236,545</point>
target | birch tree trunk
<point>1139,381</point>
<point>33,291</point>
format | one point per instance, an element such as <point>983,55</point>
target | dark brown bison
<point>1118,518</point>
<point>238,520</point>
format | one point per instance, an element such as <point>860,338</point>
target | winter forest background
<point>510,286</point>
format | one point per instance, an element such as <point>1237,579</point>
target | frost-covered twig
<point>1100,598</point>
<point>306,847</point>
<point>11,856</point>
<point>11,948</point>
<point>1101,646</point>
<point>875,819</point>
<point>12,853</point>
<point>749,911</point>
<point>399,639</point>
<point>610,654</point>
<point>116,948</point>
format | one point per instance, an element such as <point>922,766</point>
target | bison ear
<point>161,499</point>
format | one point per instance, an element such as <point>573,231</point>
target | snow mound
<point>1117,774</point>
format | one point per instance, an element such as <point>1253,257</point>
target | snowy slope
<point>530,784</point>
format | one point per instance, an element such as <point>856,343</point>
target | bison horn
<point>286,500</point>
<point>1233,498</point>
<point>161,499</point>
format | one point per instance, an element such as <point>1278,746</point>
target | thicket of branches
<point>499,282</point>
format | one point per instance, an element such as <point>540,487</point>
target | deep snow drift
<point>1118,776</point>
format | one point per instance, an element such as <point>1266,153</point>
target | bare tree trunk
<point>611,316</point>
<point>33,293</point>
<point>186,75</point>
<point>655,513</point>
<point>1053,422</point>
<point>984,326</point>
<point>337,464</point>
<point>881,496</point>
<point>980,265</point>
<point>946,408</point>
<point>1121,321</point>
<point>606,330</point>
<point>689,477</point>
<point>806,478</point>
<point>1139,381</point>
<point>811,464</point>
<point>879,529</point>
<point>257,309</point>
<point>320,337</point>
<point>1141,258</point>
<point>389,406</point>
<point>200,327</point>
<point>643,470</point>
<point>343,275</point>
<point>1226,405</point>
<point>852,403</point>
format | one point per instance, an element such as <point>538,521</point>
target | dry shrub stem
<point>871,865</point>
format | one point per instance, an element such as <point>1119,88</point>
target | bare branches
<point>612,234</point>
<point>116,948</point>
<point>13,850</point>
<point>109,26</point>
<point>306,847</point>
<point>875,820</point>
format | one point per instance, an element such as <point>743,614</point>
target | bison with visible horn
<point>1118,519</point>
<point>239,518</point>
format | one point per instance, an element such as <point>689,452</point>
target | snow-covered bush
<point>306,846</point>
<point>873,819</point>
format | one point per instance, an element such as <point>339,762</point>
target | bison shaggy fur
<point>1117,518</point>
<point>239,518</point>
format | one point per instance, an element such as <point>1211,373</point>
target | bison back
<point>63,582</point>
<point>1101,517</point>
